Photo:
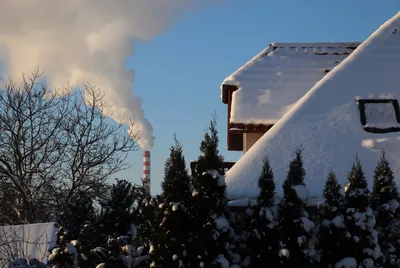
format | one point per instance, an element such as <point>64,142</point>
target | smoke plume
<point>79,41</point>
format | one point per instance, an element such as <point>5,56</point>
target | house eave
<point>248,128</point>
<point>226,91</point>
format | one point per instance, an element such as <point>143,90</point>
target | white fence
<point>30,241</point>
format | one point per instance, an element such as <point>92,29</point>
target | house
<point>259,93</point>
<point>353,110</point>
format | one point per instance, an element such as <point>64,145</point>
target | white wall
<point>249,139</point>
<point>30,240</point>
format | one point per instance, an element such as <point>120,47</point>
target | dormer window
<point>379,115</point>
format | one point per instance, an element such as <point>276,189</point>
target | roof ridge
<point>316,44</point>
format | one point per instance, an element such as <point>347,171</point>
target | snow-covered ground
<point>326,122</point>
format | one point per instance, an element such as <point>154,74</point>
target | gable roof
<point>279,76</point>
<point>326,121</point>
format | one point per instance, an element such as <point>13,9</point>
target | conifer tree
<point>117,210</point>
<point>385,196</point>
<point>210,239</point>
<point>332,232</point>
<point>176,185</point>
<point>210,158</point>
<point>356,193</point>
<point>263,244</point>
<point>147,215</point>
<point>266,184</point>
<point>209,186</point>
<point>79,211</point>
<point>360,221</point>
<point>384,189</point>
<point>332,191</point>
<point>116,221</point>
<point>173,233</point>
<point>296,173</point>
<point>295,225</point>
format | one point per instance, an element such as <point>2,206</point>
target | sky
<point>178,75</point>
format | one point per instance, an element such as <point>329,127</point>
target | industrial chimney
<point>146,171</point>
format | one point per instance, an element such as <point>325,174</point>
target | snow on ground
<point>222,261</point>
<point>280,75</point>
<point>326,122</point>
<point>346,263</point>
<point>301,192</point>
<point>222,223</point>
<point>244,202</point>
<point>307,224</point>
<point>175,205</point>
<point>31,240</point>
<point>380,143</point>
<point>284,253</point>
<point>338,221</point>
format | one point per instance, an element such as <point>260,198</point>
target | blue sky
<point>179,73</point>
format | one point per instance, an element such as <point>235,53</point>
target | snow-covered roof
<point>326,122</point>
<point>271,82</point>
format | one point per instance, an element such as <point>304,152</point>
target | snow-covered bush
<point>332,230</point>
<point>360,221</point>
<point>171,237</point>
<point>263,242</point>
<point>107,241</point>
<point>79,211</point>
<point>115,252</point>
<point>295,225</point>
<point>176,186</point>
<point>146,217</point>
<point>211,232</point>
<point>26,263</point>
<point>194,228</point>
<point>386,203</point>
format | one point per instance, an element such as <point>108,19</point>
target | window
<point>379,115</point>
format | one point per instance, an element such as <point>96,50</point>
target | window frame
<point>363,118</point>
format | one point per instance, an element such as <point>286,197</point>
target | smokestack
<point>146,171</point>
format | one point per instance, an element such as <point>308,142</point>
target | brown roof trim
<point>226,91</point>
<point>248,128</point>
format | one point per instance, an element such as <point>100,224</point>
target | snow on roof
<point>270,83</point>
<point>326,122</point>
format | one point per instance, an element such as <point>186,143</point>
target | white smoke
<point>79,41</point>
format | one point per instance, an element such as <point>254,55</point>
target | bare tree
<point>53,145</point>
